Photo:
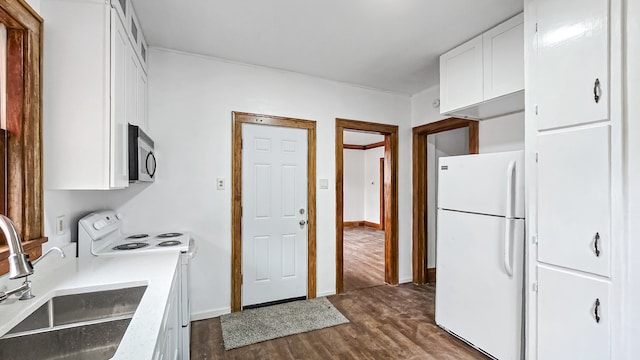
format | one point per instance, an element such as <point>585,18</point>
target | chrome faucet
<point>26,294</point>
<point>19,264</point>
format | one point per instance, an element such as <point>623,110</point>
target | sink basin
<point>95,341</point>
<point>79,326</point>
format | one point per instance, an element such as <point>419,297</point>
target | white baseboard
<point>405,280</point>
<point>326,293</point>
<point>210,314</point>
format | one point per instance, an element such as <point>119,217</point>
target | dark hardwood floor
<point>386,322</point>
<point>363,257</point>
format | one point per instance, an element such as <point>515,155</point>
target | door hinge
<point>241,279</point>
<point>536,109</point>
<point>241,143</point>
<point>536,27</point>
<point>534,239</point>
<point>534,287</point>
<point>241,211</point>
<point>536,157</point>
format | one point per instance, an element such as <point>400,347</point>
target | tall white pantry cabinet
<point>95,83</point>
<point>574,155</point>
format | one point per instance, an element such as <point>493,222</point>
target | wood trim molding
<point>353,223</point>
<point>431,275</point>
<point>373,225</point>
<point>239,118</point>
<point>374,145</point>
<point>419,165</point>
<point>24,202</point>
<point>381,218</point>
<point>363,147</point>
<point>390,133</point>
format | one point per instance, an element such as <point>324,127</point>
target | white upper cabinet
<point>572,61</point>
<point>461,76</point>
<point>94,85</point>
<point>504,58</point>
<point>484,77</point>
<point>574,204</point>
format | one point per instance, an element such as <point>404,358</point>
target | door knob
<point>302,222</point>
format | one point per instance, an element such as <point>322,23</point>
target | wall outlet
<point>60,225</point>
<point>324,183</point>
<point>220,183</point>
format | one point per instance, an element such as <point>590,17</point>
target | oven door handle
<point>146,164</point>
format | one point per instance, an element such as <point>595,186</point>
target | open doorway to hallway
<point>366,226</point>
<point>363,233</point>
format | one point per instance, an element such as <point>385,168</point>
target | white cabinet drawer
<point>574,199</point>
<point>569,306</point>
<point>572,52</point>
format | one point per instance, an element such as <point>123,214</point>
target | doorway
<point>269,154</point>
<point>421,272</point>
<point>389,216</point>
<point>363,189</point>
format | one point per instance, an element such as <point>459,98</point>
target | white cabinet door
<point>572,58</point>
<point>120,109</point>
<point>574,199</point>
<point>573,316</point>
<point>143,99</point>
<point>504,58</point>
<point>461,76</point>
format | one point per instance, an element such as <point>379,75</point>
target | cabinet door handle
<point>596,242</point>
<point>596,91</point>
<point>596,310</point>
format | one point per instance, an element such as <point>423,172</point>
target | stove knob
<point>99,224</point>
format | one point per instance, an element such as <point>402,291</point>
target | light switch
<point>220,184</point>
<point>60,225</point>
<point>324,183</point>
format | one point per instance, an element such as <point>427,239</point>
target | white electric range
<point>100,234</point>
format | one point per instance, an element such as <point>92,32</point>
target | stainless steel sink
<point>78,326</point>
<point>95,341</point>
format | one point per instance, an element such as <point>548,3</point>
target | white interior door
<point>274,203</point>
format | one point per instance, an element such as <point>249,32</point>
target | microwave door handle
<point>151,157</point>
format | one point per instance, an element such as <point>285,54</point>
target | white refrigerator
<point>480,251</point>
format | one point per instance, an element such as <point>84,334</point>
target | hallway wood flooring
<point>387,322</point>
<point>363,257</point>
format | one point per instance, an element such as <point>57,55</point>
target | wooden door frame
<point>419,166</point>
<point>381,179</point>
<point>390,133</point>
<point>238,119</point>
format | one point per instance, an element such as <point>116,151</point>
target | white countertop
<point>55,276</point>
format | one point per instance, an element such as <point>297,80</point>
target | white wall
<point>371,184</point>
<point>35,4</point>
<point>353,185</point>
<point>190,103</point>
<point>633,173</point>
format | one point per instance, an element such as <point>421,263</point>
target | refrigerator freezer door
<point>480,183</point>
<point>475,297</point>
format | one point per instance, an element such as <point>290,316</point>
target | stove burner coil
<point>138,236</point>
<point>130,246</point>
<point>170,243</point>
<point>169,235</point>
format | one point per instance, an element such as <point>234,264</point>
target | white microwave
<point>142,159</point>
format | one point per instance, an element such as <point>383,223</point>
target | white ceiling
<point>360,138</point>
<point>384,44</point>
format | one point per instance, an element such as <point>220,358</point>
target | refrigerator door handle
<point>508,224</point>
<point>508,237</point>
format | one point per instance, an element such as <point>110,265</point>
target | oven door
<point>146,161</point>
